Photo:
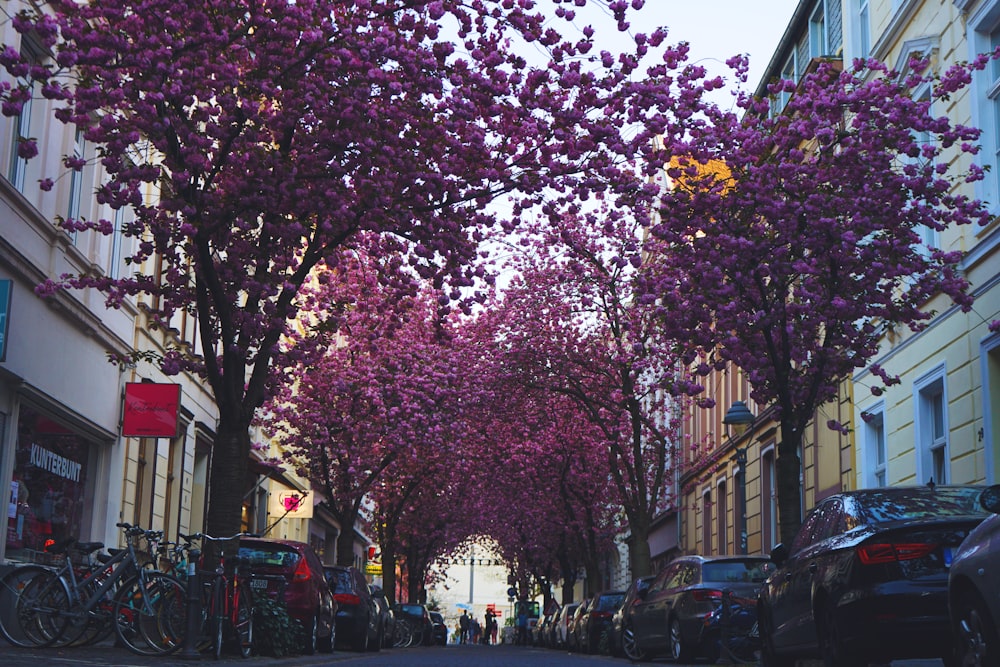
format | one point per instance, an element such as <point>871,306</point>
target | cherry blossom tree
<point>570,324</point>
<point>791,241</point>
<point>272,133</point>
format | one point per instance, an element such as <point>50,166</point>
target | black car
<point>974,590</point>
<point>439,631</point>
<point>620,632</point>
<point>866,577</point>
<point>357,614</point>
<point>676,616</point>
<point>386,618</point>
<point>594,629</point>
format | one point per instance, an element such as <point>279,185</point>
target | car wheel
<point>311,643</point>
<point>831,644</point>
<point>379,639</point>
<point>977,643</point>
<point>630,646</point>
<point>679,651</point>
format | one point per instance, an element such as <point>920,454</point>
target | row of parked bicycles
<point>139,593</point>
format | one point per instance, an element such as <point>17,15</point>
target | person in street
<point>494,628</point>
<point>489,633</point>
<point>463,628</point>
<point>522,626</point>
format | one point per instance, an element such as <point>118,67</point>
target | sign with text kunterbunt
<point>151,410</point>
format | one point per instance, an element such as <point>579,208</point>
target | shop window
<point>47,497</point>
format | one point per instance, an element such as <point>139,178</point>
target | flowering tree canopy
<point>273,132</point>
<point>791,241</point>
<point>570,324</point>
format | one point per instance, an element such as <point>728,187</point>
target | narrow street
<point>449,656</point>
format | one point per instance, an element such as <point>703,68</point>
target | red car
<point>292,572</point>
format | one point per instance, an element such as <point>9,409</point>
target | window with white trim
<point>817,32</point>
<point>864,27</point>
<point>76,180</point>
<point>984,36</point>
<point>114,265</point>
<point>769,501</point>
<point>931,423</point>
<point>722,517</point>
<point>18,166</point>
<point>875,452</point>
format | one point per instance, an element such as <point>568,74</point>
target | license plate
<point>260,584</point>
<point>947,556</point>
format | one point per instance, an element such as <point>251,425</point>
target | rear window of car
<point>736,571</point>
<point>610,602</point>
<point>878,506</point>
<point>340,581</point>
<point>412,609</point>
<point>276,556</point>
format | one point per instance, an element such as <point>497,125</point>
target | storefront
<point>49,494</point>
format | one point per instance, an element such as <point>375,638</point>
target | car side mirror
<point>779,554</point>
<point>990,499</point>
<point>642,593</point>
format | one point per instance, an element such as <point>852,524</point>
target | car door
<point>791,599</point>
<point>650,611</point>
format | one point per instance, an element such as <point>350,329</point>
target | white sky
<point>715,29</point>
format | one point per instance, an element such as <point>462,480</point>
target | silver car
<point>974,589</point>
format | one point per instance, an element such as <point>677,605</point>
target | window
<point>115,264</point>
<point>875,447</point>
<point>989,355</point>
<point>930,422</point>
<point>864,30</point>
<point>817,32</point>
<point>984,26</point>
<point>722,518</point>
<point>706,522</point>
<point>769,501</point>
<point>76,180</point>
<point>22,129</point>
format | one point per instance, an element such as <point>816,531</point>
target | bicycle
<point>228,608</point>
<point>58,607</point>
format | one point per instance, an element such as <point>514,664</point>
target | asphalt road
<point>449,656</point>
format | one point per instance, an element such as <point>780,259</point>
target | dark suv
<point>357,616</point>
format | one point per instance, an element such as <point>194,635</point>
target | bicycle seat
<point>88,547</point>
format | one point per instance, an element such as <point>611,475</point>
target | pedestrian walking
<point>522,626</point>
<point>463,628</point>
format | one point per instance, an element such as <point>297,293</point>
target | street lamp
<point>738,420</point>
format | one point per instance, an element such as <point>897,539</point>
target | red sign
<point>151,410</point>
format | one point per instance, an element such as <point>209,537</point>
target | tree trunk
<point>789,484</point>
<point>228,481</point>
<point>345,541</point>
<point>389,574</point>
<point>639,558</point>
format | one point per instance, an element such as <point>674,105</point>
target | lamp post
<point>738,420</point>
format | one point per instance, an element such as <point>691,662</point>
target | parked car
<point>387,621</point>
<point>974,590</point>
<point>572,628</point>
<point>418,614</point>
<point>669,617</point>
<point>560,630</point>
<point>547,634</point>
<point>867,575</point>
<point>620,632</point>
<point>439,631</point>
<point>292,572</point>
<point>357,615</point>
<point>597,622</point>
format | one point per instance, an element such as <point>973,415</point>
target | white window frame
<point>76,179</point>
<point>817,30</point>
<point>769,460</point>
<point>989,356</point>
<point>930,394</point>
<point>861,20</point>
<point>875,448</point>
<point>117,240</point>
<point>983,28</point>
<point>17,169</point>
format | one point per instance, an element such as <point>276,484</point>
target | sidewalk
<point>108,655</point>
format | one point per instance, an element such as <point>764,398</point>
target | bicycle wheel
<point>43,609</point>
<point>243,618</point>
<point>11,586</point>
<point>217,616</point>
<point>149,614</point>
<point>402,635</point>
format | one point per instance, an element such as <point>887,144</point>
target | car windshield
<point>272,556</point>
<point>884,505</point>
<point>737,571</point>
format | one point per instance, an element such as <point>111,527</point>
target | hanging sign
<point>289,503</point>
<point>151,410</point>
